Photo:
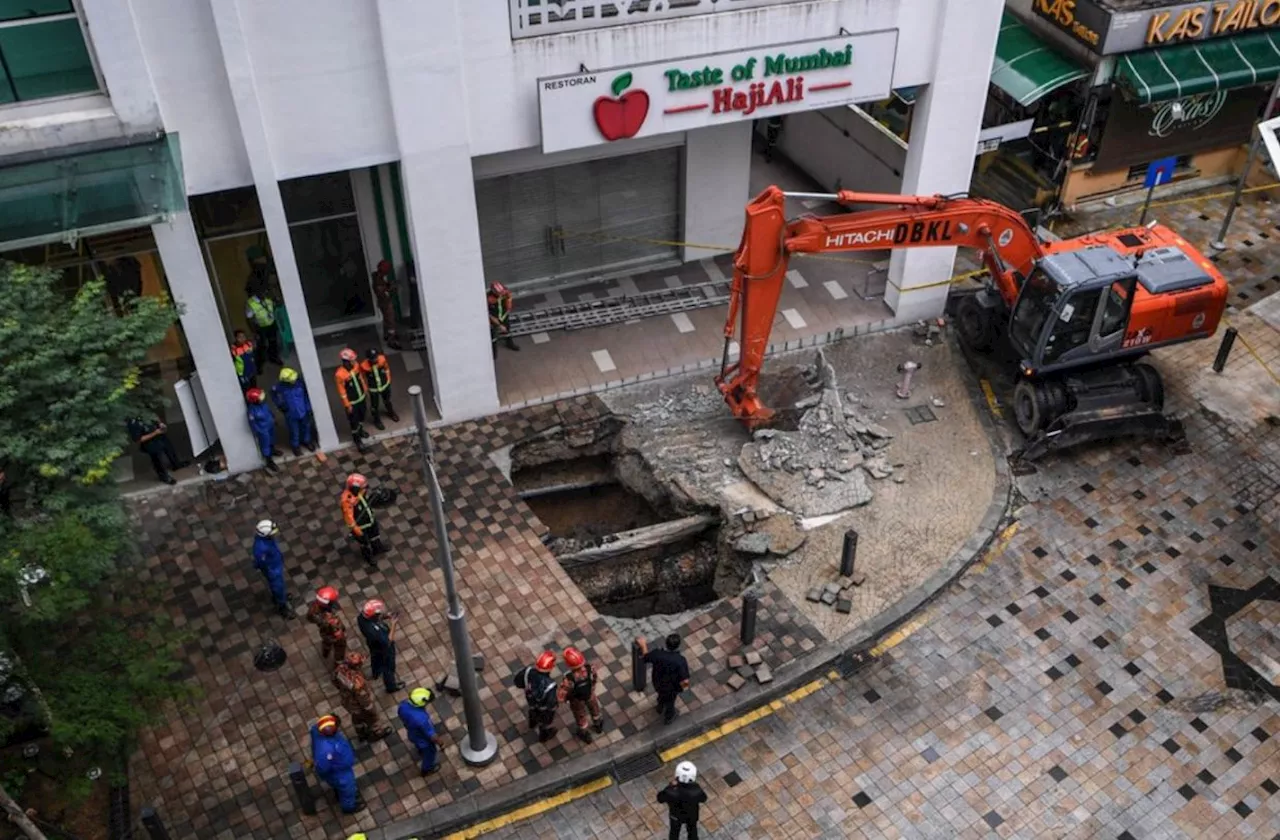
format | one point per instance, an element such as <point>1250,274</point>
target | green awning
<point>1025,67</point>
<point>1187,69</point>
<point>84,190</point>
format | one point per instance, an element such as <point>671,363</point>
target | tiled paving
<point>216,766</point>
<point>1084,683</point>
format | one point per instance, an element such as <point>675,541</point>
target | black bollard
<point>302,789</point>
<point>637,668</point>
<point>750,604</point>
<point>155,827</point>
<point>849,553</point>
<point>1224,349</point>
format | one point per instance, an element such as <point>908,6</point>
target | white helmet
<point>266,528</point>
<point>686,773</point>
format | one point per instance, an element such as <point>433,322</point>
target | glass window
<point>1034,306</point>
<point>1073,325</point>
<point>42,51</point>
<point>1116,312</point>
<point>317,197</point>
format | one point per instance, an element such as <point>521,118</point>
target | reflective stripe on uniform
<point>263,314</point>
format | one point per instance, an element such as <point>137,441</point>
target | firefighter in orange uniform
<point>353,389</point>
<point>358,514</point>
<point>377,372</point>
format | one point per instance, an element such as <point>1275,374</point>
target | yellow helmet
<point>359,835</point>
<point>420,696</point>
<point>288,376</point>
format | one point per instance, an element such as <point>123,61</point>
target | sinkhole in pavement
<point>615,531</point>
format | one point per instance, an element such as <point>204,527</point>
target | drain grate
<point>634,768</point>
<point>918,414</point>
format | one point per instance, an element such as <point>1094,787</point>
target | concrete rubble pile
<point>824,465</point>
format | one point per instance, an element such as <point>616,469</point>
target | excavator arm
<point>1008,247</point>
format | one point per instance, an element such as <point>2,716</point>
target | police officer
<point>379,631</point>
<point>500,302</point>
<point>377,372</point>
<point>260,308</point>
<point>670,674</point>
<point>151,436</point>
<point>353,389</point>
<point>323,613</point>
<point>334,761</point>
<point>246,361</point>
<point>290,396</point>
<point>421,731</point>
<point>268,559</point>
<point>540,693</point>
<point>578,687</point>
<point>358,514</point>
<point>683,798</point>
<point>357,699</point>
<point>263,424</point>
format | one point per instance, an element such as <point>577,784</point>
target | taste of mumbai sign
<point>587,109</point>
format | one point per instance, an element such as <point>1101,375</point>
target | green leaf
<point>621,83</point>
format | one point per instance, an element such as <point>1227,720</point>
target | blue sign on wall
<point>1160,172</point>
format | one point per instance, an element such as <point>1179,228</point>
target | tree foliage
<point>74,638</point>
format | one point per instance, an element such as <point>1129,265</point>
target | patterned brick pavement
<point>216,767</point>
<point>1084,683</point>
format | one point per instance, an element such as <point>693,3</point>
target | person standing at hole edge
<point>670,674</point>
<point>500,304</point>
<point>334,761</point>
<point>244,356</point>
<point>377,372</point>
<point>353,389</point>
<point>323,613</point>
<point>421,731</point>
<point>379,632</point>
<point>358,514</point>
<point>683,798</point>
<point>578,687</point>
<point>263,424</point>
<point>260,308</point>
<point>268,559</point>
<point>540,694</point>
<point>290,396</point>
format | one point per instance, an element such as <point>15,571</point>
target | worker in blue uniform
<point>290,396</point>
<point>421,731</point>
<point>334,761</point>
<point>268,559</point>
<point>263,424</point>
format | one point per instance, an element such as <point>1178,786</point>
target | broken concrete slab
<point>833,588</point>
<point>764,674</point>
<point>736,682</point>
<point>814,594</point>
<point>746,671</point>
<point>844,606</point>
<point>736,661</point>
<point>793,490</point>
<point>752,543</point>
<point>828,598</point>
<point>858,578</point>
<point>754,658</point>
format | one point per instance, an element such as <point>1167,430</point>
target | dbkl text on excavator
<point>1079,314</point>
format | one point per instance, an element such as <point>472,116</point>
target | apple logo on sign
<point>621,115</point>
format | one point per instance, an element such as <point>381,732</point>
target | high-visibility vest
<point>262,312</point>
<point>381,373</point>
<point>352,384</point>
<point>356,511</point>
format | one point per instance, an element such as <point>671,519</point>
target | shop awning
<point>1185,70</point>
<point>1025,67</point>
<point>85,190</point>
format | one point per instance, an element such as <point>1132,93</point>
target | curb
<point>584,768</point>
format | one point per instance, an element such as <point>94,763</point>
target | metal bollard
<point>302,789</point>
<point>750,605</point>
<point>849,553</point>
<point>154,825</point>
<point>637,668</point>
<point>904,387</point>
<point>1224,349</point>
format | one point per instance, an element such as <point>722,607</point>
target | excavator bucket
<point>1122,419</point>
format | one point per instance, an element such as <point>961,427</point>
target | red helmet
<point>498,288</point>
<point>327,724</point>
<point>373,607</point>
<point>357,481</point>
<point>354,659</point>
<point>384,267</point>
<point>574,658</point>
<point>348,355</point>
<point>254,395</point>
<point>545,662</point>
<point>326,594</point>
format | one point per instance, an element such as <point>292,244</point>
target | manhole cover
<point>634,768</point>
<point>918,414</point>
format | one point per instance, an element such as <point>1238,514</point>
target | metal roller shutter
<point>549,227</point>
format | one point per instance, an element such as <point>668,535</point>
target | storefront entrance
<point>552,227</point>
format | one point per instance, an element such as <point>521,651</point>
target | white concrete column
<point>117,47</point>
<point>429,105</point>
<point>944,138</point>
<point>717,185</point>
<point>239,66</point>
<point>202,324</point>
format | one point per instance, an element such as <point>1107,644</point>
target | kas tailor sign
<point>587,109</point>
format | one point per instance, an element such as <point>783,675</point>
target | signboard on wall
<point>1139,133</point>
<point>601,106</point>
<point>1107,32</point>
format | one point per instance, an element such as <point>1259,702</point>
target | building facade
<point>165,143</point>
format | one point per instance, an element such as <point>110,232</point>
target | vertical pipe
<point>1224,349</point>
<point>849,552</point>
<point>750,605</point>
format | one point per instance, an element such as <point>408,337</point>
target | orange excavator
<point>1078,314</point>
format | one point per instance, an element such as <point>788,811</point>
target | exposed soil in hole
<point>589,513</point>
<point>589,469</point>
<point>662,603</point>
<point>663,580</point>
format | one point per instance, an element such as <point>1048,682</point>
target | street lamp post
<point>480,747</point>
<point>1255,140</point>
